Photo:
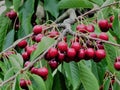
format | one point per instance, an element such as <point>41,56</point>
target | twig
<point>96,39</point>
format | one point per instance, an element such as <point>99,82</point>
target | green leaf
<point>9,39</point>
<point>98,2</point>
<point>8,3</point>
<point>16,85</point>
<point>111,54</point>
<point>59,82</point>
<point>4,23</point>
<point>107,84</point>
<point>9,73</point>
<point>37,82</point>
<point>42,46</point>
<point>63,4</point>
<point>16,4</point>
<point>88,79</point>
<point>72,74</point>
<point>116,26</point>
<point>49,5</point>
<point>15,62</point>
<point>25,15</point>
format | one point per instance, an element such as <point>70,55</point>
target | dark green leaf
<point>106,84</point>
<point>72,74</point>
<point>88,79</point>
<point>16,4</point>
<point>63,4</point>
<point>25,15</point>
<point>8,3</point>
<point>50,5</point>
<point>59,82</point>
<point>37,82</point>
<point>4,22</point>
<point>9,39</point>
<point>42,46</point>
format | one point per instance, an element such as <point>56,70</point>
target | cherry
<point>117,59</point>
<point>100,54</point>
<point>22,44</point>
<point>26,63</point>
<point>103,36</point>
<point>25,56</point>
<point>30,50</point>
<point>76,46</point>
<point>104,25</point>
<point>81,54</point>
<point>62,46</point>
<point>89,53</point>
<point>110,25</point>
<point>53,64</point>
<point>53,33</point>
<point>71,53</point>
<point>24,83</point>
<point>81,28</point>
<point>60,56</point>
<point>90,28</point>
<point>43,72</point>
<point>117,65</point>
<point>94,35</point>
<point>34,70</point>
<point>12,15</point>
<point>53,52</point>
<point>111,18</point>
<point>37,29</point>
<point>38,37</point>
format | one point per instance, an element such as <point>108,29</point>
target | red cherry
<point>111,18</point>
<point>25,56</point>
<point>12,14</point>
<point>117,65</point>
<point>81,28</point>
<point>103,36</point>
<point>53,64</point>
<point>43,72</point>
<point>62,46</point>
<point>38,37</point>
<point>90,28</point>
<point>23,83</point>
<point>81,54</point>
<point>26,63</point>
<point>103,24</point>
<point>34,70</point>
<point>30,50</point>
<point>53,52</point>
<point>89,53</point>
<point>53,33</point>
<point>60,56</point>
<point>37,29</point>
<point>110,25</point>
<point>76,46</point>
<point>117,59</point>
<point>94,35</point>
<point>71,53</point>
<point>100,54</point>
<point>22,44</point>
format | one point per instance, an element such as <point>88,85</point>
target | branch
<point>36,60</point>
<point>96,39</point>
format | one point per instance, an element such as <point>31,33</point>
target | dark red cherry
<point>22,44</point>
<point>25,56</point>
<point>89,53</point>
<point>103,36</point>
<point>53,52</point>
<point>90,28</point>
<point>81,28</point>
<point>81,54</point>
<point>117,65</point>
<point>103,25</point>
<point>37,29</point>
<point>62,46</point>
<point>100,54</point>
<point>76,46</point>
<point>38,37</point>
<point>53,64</point>
<point>71,53</point>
